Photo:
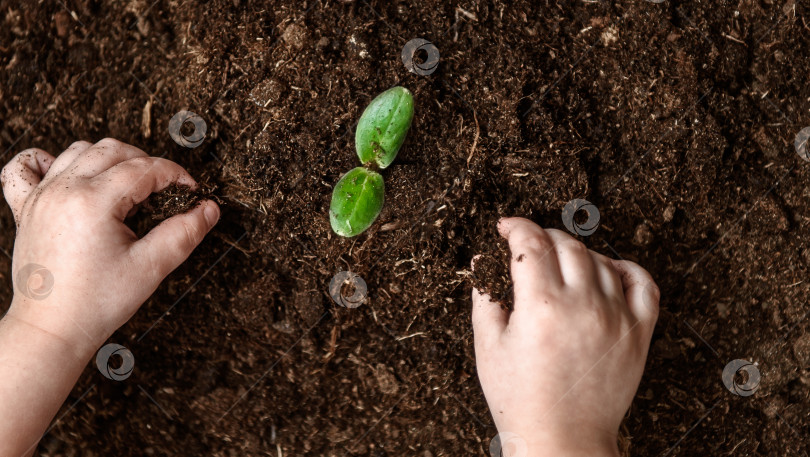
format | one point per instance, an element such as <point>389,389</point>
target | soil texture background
<point>675,119</point>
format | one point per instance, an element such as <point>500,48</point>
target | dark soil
<point>173,200</point>
<point>675,119</point>
<point>490,273</point>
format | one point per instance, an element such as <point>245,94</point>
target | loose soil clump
<point>675,120</point>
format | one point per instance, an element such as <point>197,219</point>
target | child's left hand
<point>79,273</point>
<point>70,215</point>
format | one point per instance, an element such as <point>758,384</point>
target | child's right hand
<point>561,370</point>
<point>69,212</point>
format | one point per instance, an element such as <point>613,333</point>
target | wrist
<point>49,323</point>
<point>573,449</point>
<point>39,367</point>
<point>576,442</point>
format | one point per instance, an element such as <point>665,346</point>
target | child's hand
<point>561,370</point>
<point>69,213</point>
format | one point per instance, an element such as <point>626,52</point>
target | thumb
<point>488,318</point>
<point>169,244</point>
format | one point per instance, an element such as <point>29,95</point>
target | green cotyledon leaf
<point>356,201</point>
<point>383,126</point>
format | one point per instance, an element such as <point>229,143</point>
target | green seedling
<point>358,197</point>
<point>383,126</point>
<point>356,201</point>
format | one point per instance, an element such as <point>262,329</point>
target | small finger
<point>132,181</point>
<point>576,264</point>
<point>640,290</point>
<point>102,156</point>
<point>22,175</point>
<point>68,156</point>
<point>169,244</point>
<point>534,266</point>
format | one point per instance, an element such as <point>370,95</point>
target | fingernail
<point>211,213</point>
